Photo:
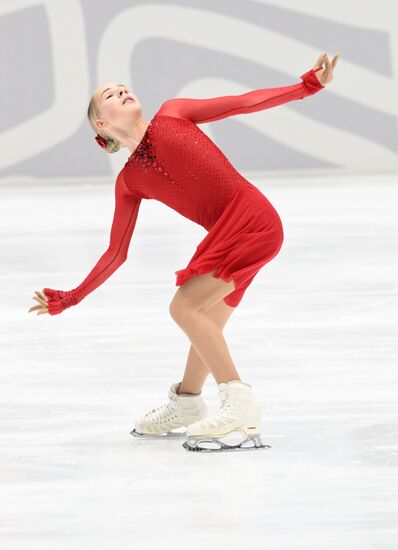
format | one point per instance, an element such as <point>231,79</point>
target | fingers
<point>319,61</point>
<point>40,310</point>
<point>41,295</point>
<point>33,308</point>
<point>43,304</point>
<point>330,65</point>
<point>44,294</point>
<point>39,299</point>
<point>335,59</point>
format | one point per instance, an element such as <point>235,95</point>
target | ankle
<point>182,391</point>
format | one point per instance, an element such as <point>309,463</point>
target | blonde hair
<point>93,112</point>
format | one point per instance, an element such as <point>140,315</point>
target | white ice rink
<point>315,335</point>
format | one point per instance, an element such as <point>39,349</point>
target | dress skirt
<point>247,235</point>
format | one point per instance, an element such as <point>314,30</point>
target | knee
<point>180,309</point>
<point>173,309</point>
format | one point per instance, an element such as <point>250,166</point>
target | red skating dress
<point>178,164</point>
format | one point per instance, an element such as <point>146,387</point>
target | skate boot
<point>236,427</point>
<point>170,419</point>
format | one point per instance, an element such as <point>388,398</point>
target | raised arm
<point>216,108</point>
<point>124,220</point>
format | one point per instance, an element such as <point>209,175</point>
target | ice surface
<point>315,335</point>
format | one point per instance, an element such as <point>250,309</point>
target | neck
<point>135,134</point>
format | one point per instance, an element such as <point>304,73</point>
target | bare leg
<point>189,308</point>
<point>196,370</point>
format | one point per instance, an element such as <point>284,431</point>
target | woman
<point>174,162</point>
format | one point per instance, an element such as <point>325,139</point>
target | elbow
<point>116,257</point>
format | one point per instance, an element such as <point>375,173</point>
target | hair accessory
<point>101,141</point>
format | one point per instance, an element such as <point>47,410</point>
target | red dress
<point>178,164</point>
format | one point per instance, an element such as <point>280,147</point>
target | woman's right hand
<point>43,303</point>
<point>53,301</point>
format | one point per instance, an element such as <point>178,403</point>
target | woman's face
<point>117,105</point>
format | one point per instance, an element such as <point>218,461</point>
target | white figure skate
<point>169,419</point>
<point>236,427</point>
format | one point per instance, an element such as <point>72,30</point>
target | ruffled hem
<point>182,275</point>
<point>232,299</point>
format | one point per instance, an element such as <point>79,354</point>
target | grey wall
<point>54,53</point>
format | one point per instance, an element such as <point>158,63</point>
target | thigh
<point>201,292</point>
<point>220,313</point>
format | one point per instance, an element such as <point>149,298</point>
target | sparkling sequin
<point>145,155</point>
<point>196,181</point>
<point>59,300</point>
<point>67,298</point>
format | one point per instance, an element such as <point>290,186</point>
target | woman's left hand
<point>325,75</point>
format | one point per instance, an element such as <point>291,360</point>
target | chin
<point>132,107</point>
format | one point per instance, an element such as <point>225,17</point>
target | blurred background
<point>54,54</point>
<point>315,334</point>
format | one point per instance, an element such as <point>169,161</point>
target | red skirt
<point>247,235</point>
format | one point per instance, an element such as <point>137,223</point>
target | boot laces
<point>228,405</point>
<point>163,411</point>
<point>224,395</point>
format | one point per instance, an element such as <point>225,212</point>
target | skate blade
<point>168,435</point>
<point>216,444</point>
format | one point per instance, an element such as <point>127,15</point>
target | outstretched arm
<point>124,220</point>
<point>216,108</point>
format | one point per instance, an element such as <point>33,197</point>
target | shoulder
<point>121,187</point>
<point>172,107</point>
<point>120,182</point>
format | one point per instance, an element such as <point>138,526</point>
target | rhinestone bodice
<point>179,165</point>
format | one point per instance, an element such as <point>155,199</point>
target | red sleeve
<point>124,220</point>
<point>216,108</point>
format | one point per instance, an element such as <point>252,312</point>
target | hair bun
<point>101,141</point>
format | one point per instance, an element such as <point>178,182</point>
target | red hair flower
<point>101,141</point>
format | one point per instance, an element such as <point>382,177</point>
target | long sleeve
<point>208,110</point>
<point>124,220</point>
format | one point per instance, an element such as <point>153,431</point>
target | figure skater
<point>176,163</point>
